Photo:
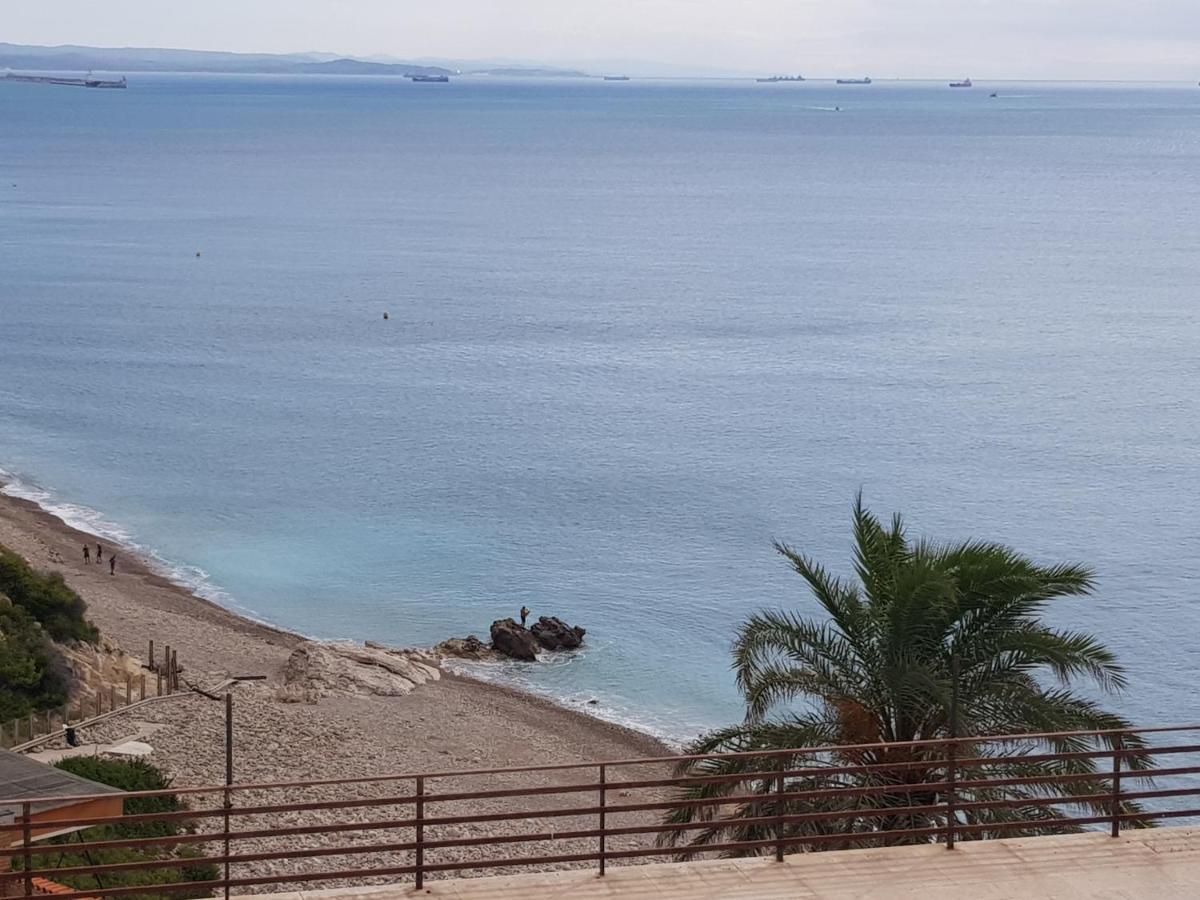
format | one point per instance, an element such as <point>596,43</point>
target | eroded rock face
<point>555,634</point>
<point>512,640</point>
<point>317,669</point>
<point>469,647</point>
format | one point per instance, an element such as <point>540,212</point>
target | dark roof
<point>22,777</point>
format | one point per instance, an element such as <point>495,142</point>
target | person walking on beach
<point>99,553</point>
<point>112,564</point>
<point>524,615</point>
<point>87,555</point>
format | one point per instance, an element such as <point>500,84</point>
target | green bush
<point>46,597</point>
<point>130,775</point>
<point>31,671</point>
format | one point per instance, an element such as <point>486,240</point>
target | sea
<point>636,332</point>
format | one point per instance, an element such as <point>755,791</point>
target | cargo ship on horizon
<point>86,81</point>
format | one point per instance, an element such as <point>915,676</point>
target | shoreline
<point>142,603</point>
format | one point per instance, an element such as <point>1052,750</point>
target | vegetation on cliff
<point>36,610</point>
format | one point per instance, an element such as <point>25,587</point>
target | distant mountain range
<point>136,59</point>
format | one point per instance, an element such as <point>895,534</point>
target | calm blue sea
<point>638,330</point>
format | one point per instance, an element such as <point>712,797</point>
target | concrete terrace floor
<point>1163,864</point>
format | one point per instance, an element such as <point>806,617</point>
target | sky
<point>1087,39</point>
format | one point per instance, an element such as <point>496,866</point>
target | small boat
<point>616,77</point>
<point>993,95</point>
<point>87,81</point>
<point>119,84</point>
<point>775,79</point>
<point>966,82</point>
<point>429,79</point>
<point>854,80</point>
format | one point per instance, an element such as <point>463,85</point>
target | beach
<point>452,724</point>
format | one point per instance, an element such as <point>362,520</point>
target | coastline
<point>141,604</point>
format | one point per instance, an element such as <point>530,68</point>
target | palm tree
<point>880,669</point>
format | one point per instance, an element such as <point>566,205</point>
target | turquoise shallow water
<point>637,331</point>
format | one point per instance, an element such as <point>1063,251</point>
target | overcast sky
<point>907,38</point>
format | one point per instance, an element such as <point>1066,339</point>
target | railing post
<point>952,757</point>
<point>779,810</point>
<point>603,814</point>
<point>27,840</point>
<point>228,780</point>
<point>1116,786</point>
<point>420,832</point>
<point>951,792</point>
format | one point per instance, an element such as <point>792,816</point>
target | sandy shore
<point>452,724</point>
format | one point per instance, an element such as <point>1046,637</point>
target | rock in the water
<point>513,640</point>
<point>469,647</point>
<point>555,634</point>
<point>318,669</point>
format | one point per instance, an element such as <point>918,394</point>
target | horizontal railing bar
<point>794,751</point>
<point>213,813</point>
<point>181,862</point>
<point>851,837</point>
<point>793,818</point>
<point>867,791</point>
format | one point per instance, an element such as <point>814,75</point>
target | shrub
<point>31,671</point>
<point>130,775</point>
<point>46,597</point>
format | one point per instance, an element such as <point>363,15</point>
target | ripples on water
<point>633,337</point>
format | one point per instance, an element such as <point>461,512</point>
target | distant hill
<point>70,58</point>
<point>131,59</point>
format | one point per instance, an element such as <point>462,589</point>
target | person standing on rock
<point>87,555</point>
<point>524,615</point>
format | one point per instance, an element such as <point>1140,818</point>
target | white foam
<point>193,578</point>
<point>607,708</point>
<point>84,518</point>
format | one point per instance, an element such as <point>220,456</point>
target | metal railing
<point>416,825</point>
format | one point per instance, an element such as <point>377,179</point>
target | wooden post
<point>112,697</point>
<point>603,814</point>
<point>159,694</point>
<point>142,686</point>
<point>153,667</point>
<point>128,690</point>
<point>31,726</point>
<point>27,845</point>
<point>420,832</point>
<point>175,669</point>
<point>1116,786</point>
<point>166,665</point>
<point>99,701</point>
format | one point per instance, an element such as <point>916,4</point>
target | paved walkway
<point>143,731</point>
<point>1161,864</point>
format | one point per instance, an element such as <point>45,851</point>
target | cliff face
<point>100,669</point>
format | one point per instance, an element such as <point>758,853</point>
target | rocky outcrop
<point>513,640</point>
<point>555,634</point>
<point>317,669</point>
<point>469,647</point>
